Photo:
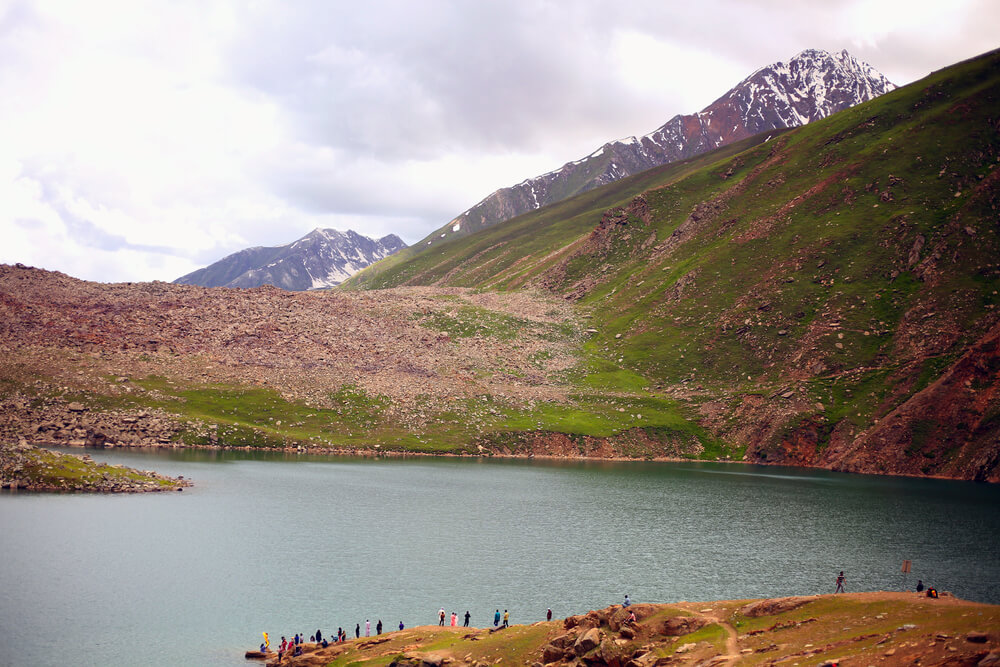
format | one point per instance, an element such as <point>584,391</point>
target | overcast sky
<point>142,140</point>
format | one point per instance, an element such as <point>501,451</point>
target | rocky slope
<point>812,85</point>
<point>322,258</point>
<point>858,628</point>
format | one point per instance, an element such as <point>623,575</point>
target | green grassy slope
<point>826,297</point>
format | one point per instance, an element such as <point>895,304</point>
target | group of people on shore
<point>294,645</point>
<point>497,619</point>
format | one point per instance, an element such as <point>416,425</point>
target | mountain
<point>810,86</point>
<point>322,258</point>
<point>824,295</point>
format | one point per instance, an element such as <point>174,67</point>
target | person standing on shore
<point>357,631</point>
<point>506,617</point>
<point>548,614</point>
<point>378,627</point>
<point>441,617</point>
<point>467,617</point>
<point>400,625</point>
<point>454,620</point>
<point>841,580</point>
<point>496,619</point>
<point>368,628</point>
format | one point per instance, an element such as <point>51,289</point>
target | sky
<point>141,140</point>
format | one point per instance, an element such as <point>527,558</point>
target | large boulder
<point>677,626</point>
<point>587,641</point>
<point>619,615</point>
<point>552,653</point>
<point>774,606</point>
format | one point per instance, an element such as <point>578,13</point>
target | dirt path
<point>732,655</point>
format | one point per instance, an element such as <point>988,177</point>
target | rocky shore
<point>29,468</point>
<point>847,629</point>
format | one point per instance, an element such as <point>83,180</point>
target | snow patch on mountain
<point>321,259</point>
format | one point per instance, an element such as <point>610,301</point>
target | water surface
<point>290,544</point>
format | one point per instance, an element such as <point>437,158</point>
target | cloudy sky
<point>140,140</point>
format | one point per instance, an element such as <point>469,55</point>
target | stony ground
<point>848,629</point>
<point>419,350</point>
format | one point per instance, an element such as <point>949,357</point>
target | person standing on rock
<point>506,617</point>
<point>496,619</point>
<point>841,579</point>
<point>467,617</point>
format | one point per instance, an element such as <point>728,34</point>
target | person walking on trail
<point>841,579</point>
<point>548,614</point>
<point>441,617</point>
<point>496,618</point>
<point>506,617</point>
<point>467,617</point>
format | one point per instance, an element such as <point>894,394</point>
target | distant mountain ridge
<point>810,86</point>
<point>322,258</point>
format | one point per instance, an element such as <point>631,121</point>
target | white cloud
<point>144,138</point>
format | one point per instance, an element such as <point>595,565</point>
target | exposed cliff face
<point>812,85</point>
<point>320,259</point>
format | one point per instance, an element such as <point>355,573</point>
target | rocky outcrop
<point>28,468</point>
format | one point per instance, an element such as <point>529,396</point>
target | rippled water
<point>285,545</point>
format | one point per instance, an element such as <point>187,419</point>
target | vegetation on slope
<point>826,296</point>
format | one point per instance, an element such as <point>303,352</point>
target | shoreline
<point>887,627</point>
<point>375,453</point>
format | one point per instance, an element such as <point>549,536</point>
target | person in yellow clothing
<point>506,617</point>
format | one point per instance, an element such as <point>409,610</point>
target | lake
<point>285,544</point>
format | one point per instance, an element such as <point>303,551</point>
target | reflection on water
<point>286,543</point>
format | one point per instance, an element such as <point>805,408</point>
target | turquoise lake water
<point>291,544</point>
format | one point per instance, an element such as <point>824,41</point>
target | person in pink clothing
<point>454,620</point>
